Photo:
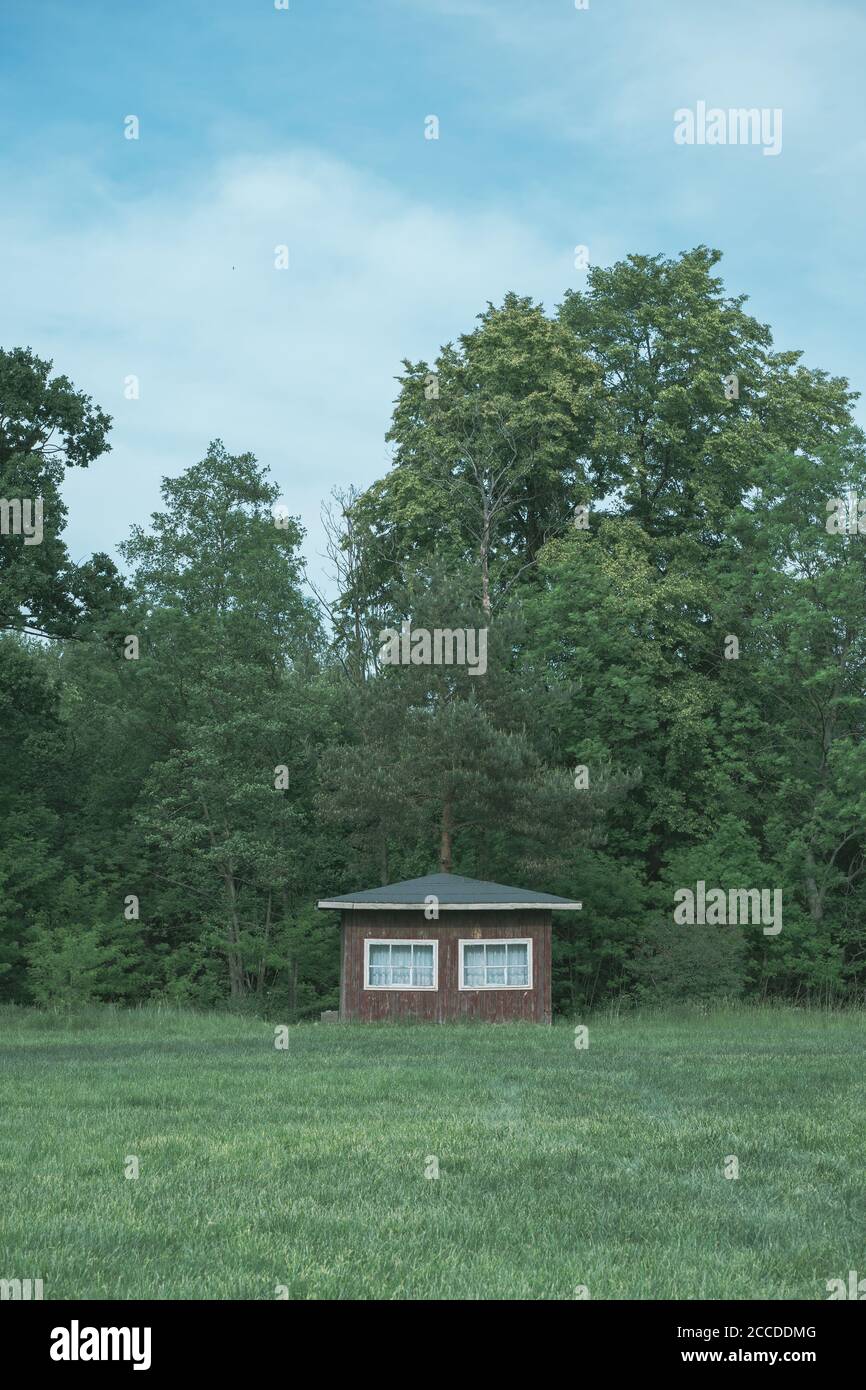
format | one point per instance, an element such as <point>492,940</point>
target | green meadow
<point>304,1169</point>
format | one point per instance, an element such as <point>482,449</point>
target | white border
<point>494,941</point>
<point>400,941</point>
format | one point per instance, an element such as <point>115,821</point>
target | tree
<point>695,399</point>
<point>229,648</point>
<point>487,453</point>
<point>442,766</point>
<point>46,426</point>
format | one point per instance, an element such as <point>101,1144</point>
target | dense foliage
<point>631,496</point>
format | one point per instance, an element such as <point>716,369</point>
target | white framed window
<point>486,964</point>
<point>401,964</point>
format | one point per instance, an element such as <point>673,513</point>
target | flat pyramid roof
<point>453,892</point>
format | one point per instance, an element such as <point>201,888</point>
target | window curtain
<point>401,964</point>
<point>497,955</point>
<point>473,966</point>
<point>379,965</point>
<point>492,963</point>
<point>518,964</point>
<point>422,961</point>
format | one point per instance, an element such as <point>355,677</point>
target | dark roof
<point>453,892</point>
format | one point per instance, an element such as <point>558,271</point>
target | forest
<point>649,509</point>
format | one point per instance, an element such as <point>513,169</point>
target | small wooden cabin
<point>446,947</point>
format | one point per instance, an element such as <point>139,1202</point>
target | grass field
<point>306,1167</point>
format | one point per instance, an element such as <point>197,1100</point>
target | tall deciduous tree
<point>695,398</point>
<point>228,653</point>
<point>489,448</point>
<point>46,426</point>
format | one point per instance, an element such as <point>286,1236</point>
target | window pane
<point>518,963</point>
<point>422,957</point>
<point>380,969</point>
<point>473,966</point>
<point>496,964</point>
<point>496,959</point>
<point>401,964</point>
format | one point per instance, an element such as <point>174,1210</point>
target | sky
<point>305,127</point>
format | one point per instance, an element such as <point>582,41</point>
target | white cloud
<point>179,288</point>
<point>617,70</point>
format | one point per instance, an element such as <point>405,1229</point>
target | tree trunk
<point>293,990</point>
<point>485,566</point>
<point>446,842</point>
<point>237,978</point>
<point>814,895</point>
<point>260,981</point>
<point>236,969</point>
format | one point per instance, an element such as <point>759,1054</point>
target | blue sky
<point>305,127</point>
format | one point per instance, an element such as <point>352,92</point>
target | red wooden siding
<point>448,1001</point>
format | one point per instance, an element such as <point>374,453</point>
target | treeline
<point>631,496</point>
